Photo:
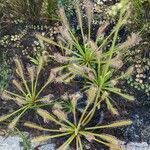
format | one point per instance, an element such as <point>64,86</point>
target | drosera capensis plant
<point>78,129</point>
<point>83,50</point>
<point>29,94</point>
<point>90,60</point>
<point>82,53</point>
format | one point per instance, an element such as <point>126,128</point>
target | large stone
<point>13,143</point>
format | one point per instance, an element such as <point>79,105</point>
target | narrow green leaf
<point>113,125</point>
<point>111,107</point>
<point>67,143</point>
<point>4,117</point>
<point>108,138</point>
<point>35,126</point>
<point>46,137</point>
<point>117,91</point>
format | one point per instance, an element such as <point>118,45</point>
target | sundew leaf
<point>4,117</point>
<point>79,16</point>
<point>6,96</point>
<point>63,77</point>
<point>67,143</point>
<point>111,108</point>
<point>89,137</point>
<point>118,124</point>
<point>45,114</point>
<point>60,114</point>
<point>112,125</point>
<point>11,96</point>
<point>91,94</point>
<point>102,29</point>
<point>31,72</point>
<point>18,85</point>
<point>63,17</point>
<point>102,142</point>
<point>69,79</point>
<point>117,91</point>
<point>41,138</point>
<point>13,123</point>
<point>110,145</point>
<point>19,68</point>
<point>115,147</point>
<point>16,119</point>
<point>126,96</point>
<point>46,137</point>
<point>50,42</point>
<point>108,138</point>
<point>35,126</point>
<point>19,101</point>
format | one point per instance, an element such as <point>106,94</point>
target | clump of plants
<point>93,64</point>
<point>92,60</point>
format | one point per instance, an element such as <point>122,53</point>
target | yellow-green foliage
<point>77,129</point>
<point>80,56</point>
<point>89,59</point>
<point>28,96</point>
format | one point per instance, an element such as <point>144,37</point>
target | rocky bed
<point>14,143</point>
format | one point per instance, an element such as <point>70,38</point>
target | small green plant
<point>49,9</point>
<point>4,73</point>
<point>77,130</point>
<point>28,96</point>
<point>26,142</point>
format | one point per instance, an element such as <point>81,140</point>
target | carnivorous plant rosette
<point>78,129</point>
<point>29,94</point>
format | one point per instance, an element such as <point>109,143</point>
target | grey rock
<point>47,147</point>
<point>13,143</point>
<point>10,143</point>
<point>134,146</point>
